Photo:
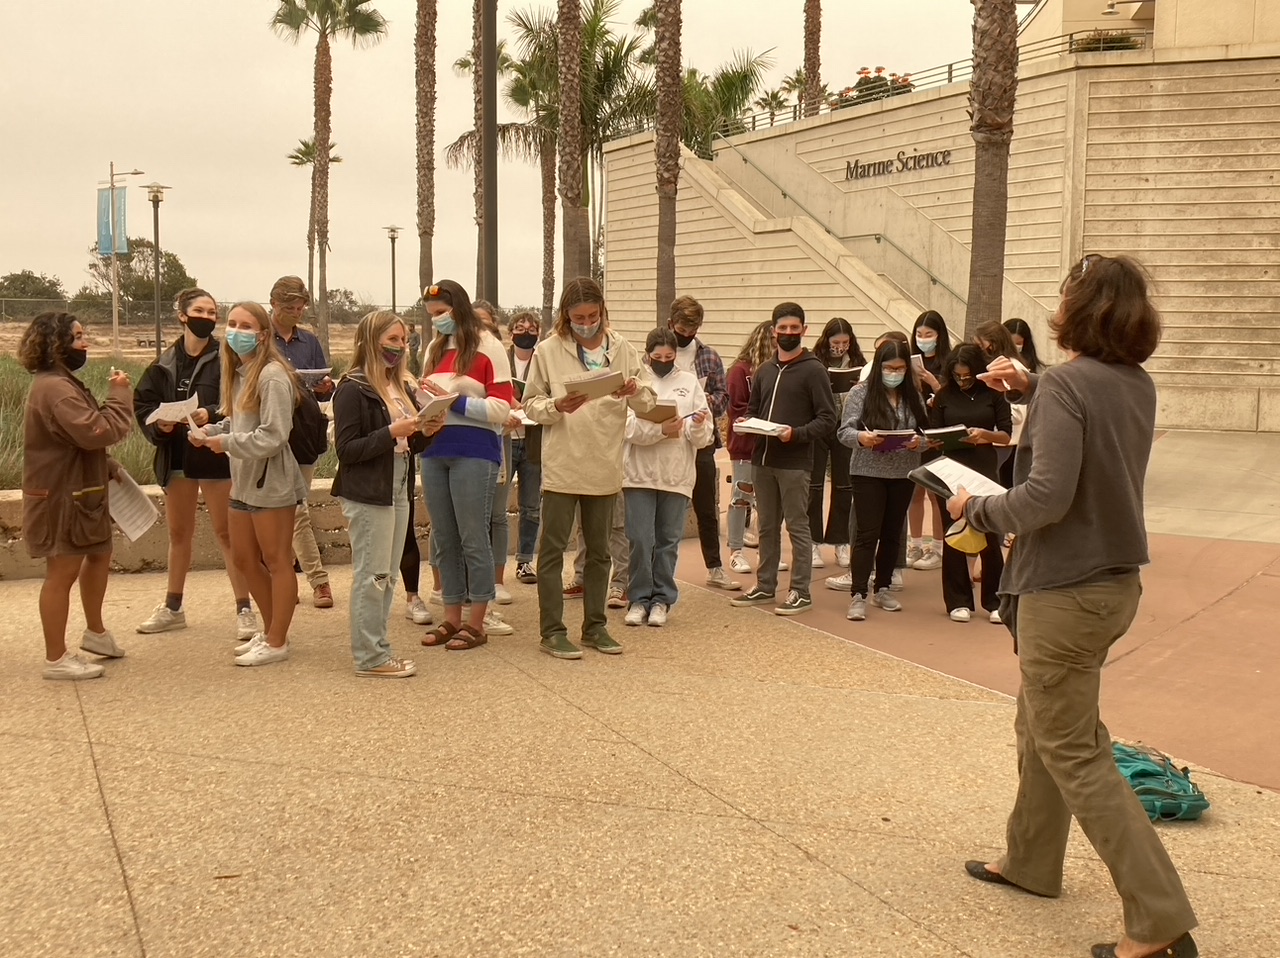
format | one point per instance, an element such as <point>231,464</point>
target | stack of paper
<point>895,440</point>
<point>945,476</point>
<point>759,427</point>
<point>595,385</point>
<point>168,412</point>
<point>660,413</point>
<point>313,377</point>
<point>952,437</point>
<point>130,507</point>
<point>434,406</point>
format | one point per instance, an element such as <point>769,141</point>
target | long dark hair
<point>877,410</point>
<point>467,327</point>
<point>838,326</point>
<point>932,319</point>
<point>1030,358</point>
<point>966,354</point>
<point>999,339</point>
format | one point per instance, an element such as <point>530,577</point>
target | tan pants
<point>619,548</point>
<point>1065,765</point>
<point>304,539</point>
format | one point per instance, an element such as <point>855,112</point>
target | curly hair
<point>966,354</point>
<point>47,342</point>
<point>1106,311</point>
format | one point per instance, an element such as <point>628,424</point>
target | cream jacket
<point>582,450</point>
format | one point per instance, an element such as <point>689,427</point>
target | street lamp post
<point>115,266</point>
<point>392,233</point>
<point>155,193</point>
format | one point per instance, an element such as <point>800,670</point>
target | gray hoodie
<point>264,472</point>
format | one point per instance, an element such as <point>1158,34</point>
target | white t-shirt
<point>686,356</point>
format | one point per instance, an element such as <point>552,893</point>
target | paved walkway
<point>735,784</point>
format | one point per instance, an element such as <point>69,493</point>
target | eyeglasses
<point>1089,261</point>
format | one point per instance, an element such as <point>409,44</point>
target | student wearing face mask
<point>695,356</point>
<point>378,437</point>
<point>837,349</point>
<point>65,474</point>
<point>259,395</point>
<point>1024,342</point>
<point>581,457</point>
<point>658,477</point>
<point>793,390</point>
<point>190,368</point>
<point>965,400</point>
<point>888,400</point>
<point>931,342</point>
<point>526,446</point>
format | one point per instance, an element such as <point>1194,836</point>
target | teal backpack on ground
<point>1166,791</point>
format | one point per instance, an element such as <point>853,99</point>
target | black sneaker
<point>794,604</point>
<point>526,574</point>
<point>756,596</point>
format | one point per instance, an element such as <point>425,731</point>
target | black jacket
<point>366,448</point>
<point>797,394</point>
<point>159,383</point>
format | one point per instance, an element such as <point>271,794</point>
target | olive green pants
<point>1065,765</point>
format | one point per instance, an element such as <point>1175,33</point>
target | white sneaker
<point>818,562</point>
<point>657,615</point>
<point>751,539</point>
<point>494,625</point>
<point>501,595</point>
<point>71,668</point>
<point>163,619</point>
<point>994,618</point>
<point>914,554</point>
<point>246,625</point>
<point>718,580</point>
<point>635,615</point>
<point>840,583</point>
<point>886,601</point>
<point>895,581</point>
<point>103,644</point>
<point>842,556</point>
<point>256,639</point>
<point>960,615</point>
<point>737,563</point>
<point>857,609</point>
<point>927,562</point>
<point>783,565</point>
<point>263,654</point>
<point>416,611</point>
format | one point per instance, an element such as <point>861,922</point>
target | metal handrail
<point>879,237</point>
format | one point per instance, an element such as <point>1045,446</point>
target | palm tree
<point>793,85</point>
<point>577,242</point>
<point>305,155</point>
<point>356,21</point>
<point>424,61</point>
<point>813,95</point>
<point>714,104</point>
<point>992,91</point>
<point>666,147</point>
<point>774,101</point>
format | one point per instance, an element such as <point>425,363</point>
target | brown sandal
<point>441,634</point>
<point>466,638</point>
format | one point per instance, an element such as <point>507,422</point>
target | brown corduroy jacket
<point>65,465</point>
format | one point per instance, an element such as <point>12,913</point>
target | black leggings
<point>881,507</point>
<point>411,558</point>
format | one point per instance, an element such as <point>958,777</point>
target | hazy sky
<point>205,98</point>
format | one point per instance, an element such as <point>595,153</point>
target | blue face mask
<point>927,346</point>
<point>242,342</point>
<point>893,380</point>
<point>445,324</point>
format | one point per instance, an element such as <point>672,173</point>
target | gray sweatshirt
<point>1076,503</point>
<point>263,470</point>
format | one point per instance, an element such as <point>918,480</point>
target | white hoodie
<point>650,459</point>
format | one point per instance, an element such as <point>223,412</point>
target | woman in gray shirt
<point>1070,591</point>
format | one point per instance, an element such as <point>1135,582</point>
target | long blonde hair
<point>759,346</point>
<point>366,356</point>
<point>267,352</point>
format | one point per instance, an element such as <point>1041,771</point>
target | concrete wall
<point>1199,23</point>
<point>1058,18</point>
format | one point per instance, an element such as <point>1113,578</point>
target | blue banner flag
<point>104,222</point>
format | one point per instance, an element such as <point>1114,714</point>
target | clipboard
<point>660,413</point>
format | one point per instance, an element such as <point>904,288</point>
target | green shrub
<point>1102,40</point>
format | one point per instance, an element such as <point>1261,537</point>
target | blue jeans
<point>655,523</point>
<point>738,512</point>
<point>499,536</point>
<point>377,536</point>
<point>529,475</point>
<point>459,495</point>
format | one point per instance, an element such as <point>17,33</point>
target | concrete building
<point>1168,150</point>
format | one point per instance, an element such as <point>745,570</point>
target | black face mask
<point>789,344</point>
<point>525,340</point>
<point>684,340</point>
<point>201,328</point>
<point>661,369</point>
<point>76,358</point>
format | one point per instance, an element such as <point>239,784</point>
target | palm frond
<point>516,141</point>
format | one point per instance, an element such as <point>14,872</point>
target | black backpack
<point>309,437</point>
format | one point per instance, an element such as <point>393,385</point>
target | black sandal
<point>1184,947</point>
<point>441,634</point>
<point>980,871</point>
<point>466,638</point>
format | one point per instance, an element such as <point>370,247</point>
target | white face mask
<point>585,332</point>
